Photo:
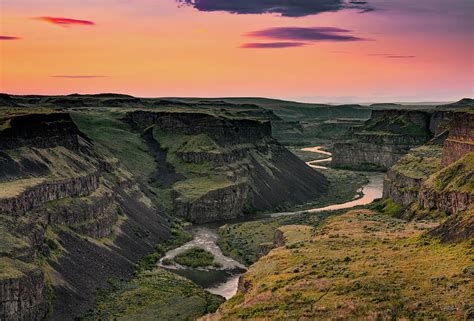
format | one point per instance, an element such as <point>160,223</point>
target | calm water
<point>224,281</point>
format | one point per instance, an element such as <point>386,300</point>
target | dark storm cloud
<point>305,34</point>
<point>286,8</point>
<point>272,45</point>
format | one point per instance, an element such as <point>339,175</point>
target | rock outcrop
<point>224,131</point>
<point>57,192</point>
<point>247,169</point>
<point>461,138</point>
<point>386,137</point>
<point>404,180</point>
<point>34,196</point>
<point>40,130</point>
<point>220,204</point>
<point>23,294</point>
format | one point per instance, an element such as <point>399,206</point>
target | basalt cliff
<point>386,137</point>
<point>229,166</point>
<point>86,193</point>
<point>438,177</point>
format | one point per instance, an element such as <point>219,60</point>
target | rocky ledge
<point>404,180</point>
<point>226,166</point>
<point>40,130</point>
<point>461,138</point>
<point>386,137</point>
<point>23,294</point>
<point>37,195</point>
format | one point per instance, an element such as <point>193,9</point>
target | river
<point>224,280</point>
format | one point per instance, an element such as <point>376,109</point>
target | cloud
<point>9,38</point>
<point>285,8</point>
<point>66,21</point>
<point>271,45</point>
<point>79,76</point>
<point>392,56</point>
<point>305,34</point>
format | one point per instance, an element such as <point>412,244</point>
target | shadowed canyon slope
<point>86,193</point>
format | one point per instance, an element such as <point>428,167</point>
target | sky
<point>305,50</point>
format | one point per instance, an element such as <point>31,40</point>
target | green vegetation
<point>242,241</point>
<point>196,257</point>
<point>10,268</point>
<point>179,237</point>
<point>200,178</point>
<point>153,295</point>
<point>359,265</point>
<point>104,127</point>
<point>456,177</point>
<point>387,206</point>
<point>420,162</point>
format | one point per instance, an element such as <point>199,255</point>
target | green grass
<point>357,266</point>
<point>457,177</point>
<point>241,241</point>
<point>105,128</point>
<point>420,162</point>
<point>388,207</point>
<point>10,268</point>
<point>154,295</point>
<point>196,257</point>
<point>201,178</point>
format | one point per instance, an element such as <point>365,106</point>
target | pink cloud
<point>66,21</point>
<point>9,38</point>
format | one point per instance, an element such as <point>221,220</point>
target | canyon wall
<point>24,295</point>
<point>57,193</point>
<point>439,177</point>
<point>223,130</point>
<point>461,138</point>
<point>386,137</point>
<point>254,172</point>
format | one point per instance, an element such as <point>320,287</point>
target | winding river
<point>224,280</point>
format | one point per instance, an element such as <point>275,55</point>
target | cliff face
<point>223,130</point>
<point>23,297</point>
<point>439,178</point>
<point>57,193</point>
<point>39,130</point>
<point>461,138</point>
<point>403,181</point>
<point>386,137</point>
<point>228,166</point>
<point>34,196</point>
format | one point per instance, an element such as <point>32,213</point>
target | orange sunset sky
<point>306,50</point>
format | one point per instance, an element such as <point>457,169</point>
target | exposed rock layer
<point>386,137</point>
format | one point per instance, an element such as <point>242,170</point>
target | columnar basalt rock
<point>261,173</point>
<point>450,202</point>
<point>223,130</point>
<point>386,137</point>
<point>40,130</point>
<point>461,138</point>
<point>23,297</point>
<point>220,204</point>
<point>35,196</point>
<point>400,188</point>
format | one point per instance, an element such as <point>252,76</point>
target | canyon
<point>96,191</point>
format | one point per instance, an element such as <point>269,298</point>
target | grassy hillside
<point>457,177</point>
<point>360,265</point>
